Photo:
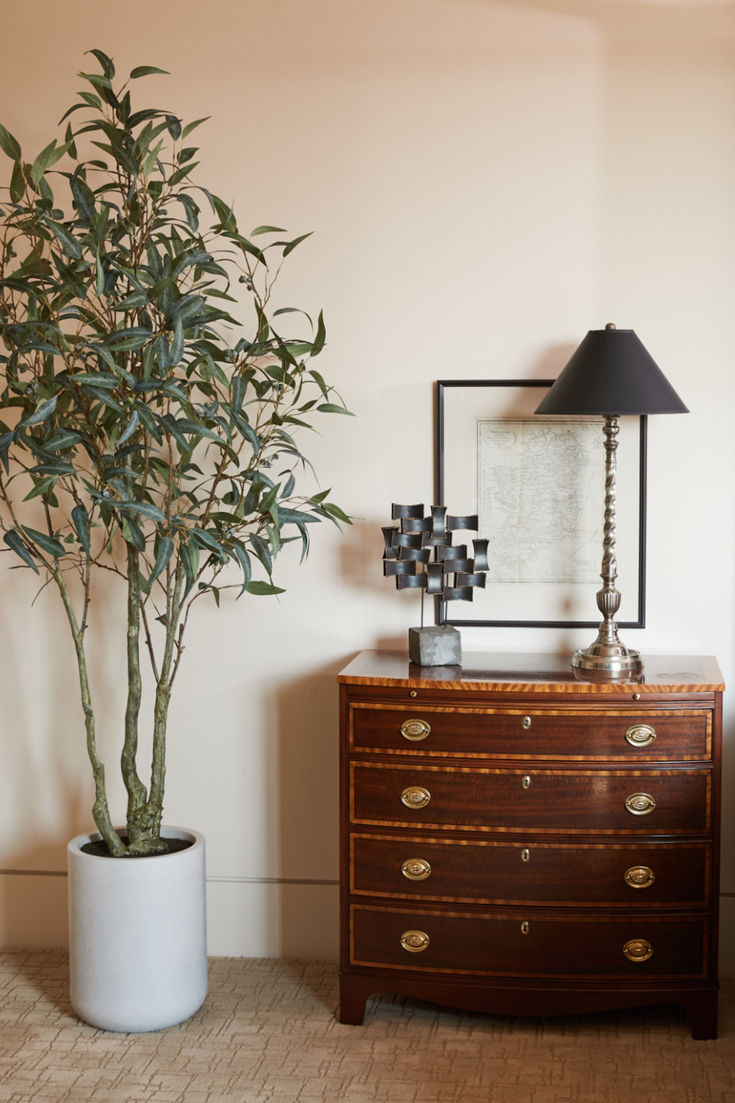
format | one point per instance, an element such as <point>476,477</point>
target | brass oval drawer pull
<point>526,723</point>
<point>639,877</point>
<point>415,941</point>
<point>526,781</point>
<point>525,854</point>
<point>415,730</point>
<point>640,804</point>
<point>416,869</point>
<point>638,950</point>
<point>640,735</point>
<point>415,796</point>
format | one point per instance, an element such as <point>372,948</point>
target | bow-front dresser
<point>515,840</point>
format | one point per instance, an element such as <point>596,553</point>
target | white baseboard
<point>245,918</point>
<point>273,919</point>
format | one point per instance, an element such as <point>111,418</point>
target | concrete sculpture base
<point>440,645</point>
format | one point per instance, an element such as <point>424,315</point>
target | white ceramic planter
<point>137,935</point>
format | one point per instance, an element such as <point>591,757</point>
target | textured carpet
<point>267,1032</point>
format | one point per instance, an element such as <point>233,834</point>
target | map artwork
<point>541,481</point>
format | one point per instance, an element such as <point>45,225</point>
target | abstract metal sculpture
<point>420,554</point>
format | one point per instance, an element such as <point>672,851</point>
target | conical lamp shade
<point>611,373</point>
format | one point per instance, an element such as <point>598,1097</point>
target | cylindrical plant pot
<point>137,935</point>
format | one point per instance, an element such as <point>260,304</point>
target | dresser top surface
<point>531,672</point>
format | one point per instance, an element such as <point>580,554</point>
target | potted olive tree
<point>150,406</point>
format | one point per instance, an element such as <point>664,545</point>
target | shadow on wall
<point>307,717</point>
<point>47,788</point>
<point>33,904</point>
<point>38,785</point>
<point>360,554</point>
<point>660,18</point>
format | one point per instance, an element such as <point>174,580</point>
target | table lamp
<point>611,374</point>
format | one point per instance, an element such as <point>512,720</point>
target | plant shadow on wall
<point>148,433</point>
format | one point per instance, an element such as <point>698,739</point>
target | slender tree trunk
<point>149,815</point>
<point>163,696</point>
<point>136,791</point>
<point>100,809</point>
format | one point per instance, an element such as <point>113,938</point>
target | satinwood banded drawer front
<point>636,946</point>
<point>650,802</point>
<point>650,735</point>
<point>415,867</point>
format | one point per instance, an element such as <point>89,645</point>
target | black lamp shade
<point>611,373</point>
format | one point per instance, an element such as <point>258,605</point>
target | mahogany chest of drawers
<point>516,840</point>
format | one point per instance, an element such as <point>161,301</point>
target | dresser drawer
<point>630,875</point>
<point>633,947</point>
<point>532,732</point>
<point>609,802</point>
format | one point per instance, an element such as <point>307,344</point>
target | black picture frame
<point>457,401</point>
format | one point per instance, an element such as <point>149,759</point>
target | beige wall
<point>487,181</point>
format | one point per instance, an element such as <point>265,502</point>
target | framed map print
<point>537,485</point>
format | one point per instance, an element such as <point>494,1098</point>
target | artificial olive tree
<point>150,403</point>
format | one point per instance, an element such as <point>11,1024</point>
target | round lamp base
<point>607,663</point>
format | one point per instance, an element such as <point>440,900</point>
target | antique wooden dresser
<point>517,841</point>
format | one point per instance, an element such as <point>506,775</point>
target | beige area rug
<point>268,1032</point>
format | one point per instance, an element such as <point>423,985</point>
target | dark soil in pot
<point>99,848</point>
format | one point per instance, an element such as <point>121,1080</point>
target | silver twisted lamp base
<point>607,659</point>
